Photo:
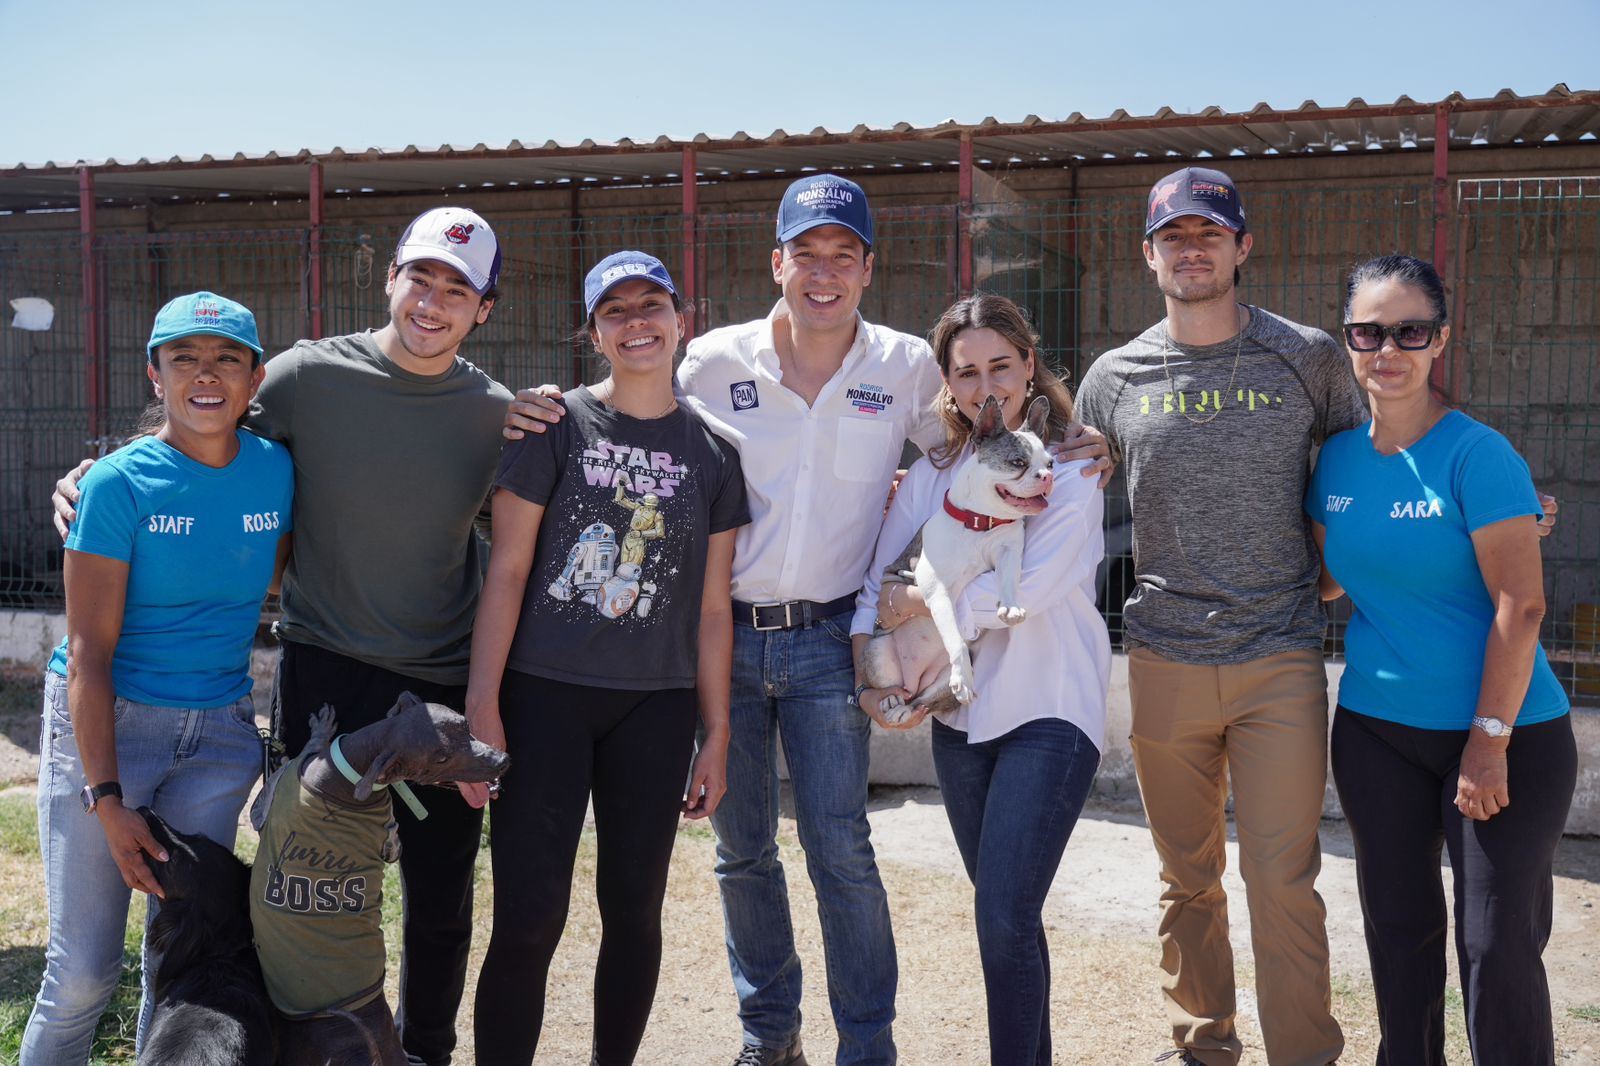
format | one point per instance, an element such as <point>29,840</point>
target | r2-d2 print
<point>593,576</point>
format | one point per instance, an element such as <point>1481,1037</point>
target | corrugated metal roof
<point>1558,116</point>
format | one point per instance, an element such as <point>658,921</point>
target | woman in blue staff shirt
<point>1451,731</point>
<point>147,701</point>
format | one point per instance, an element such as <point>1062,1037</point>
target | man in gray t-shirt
<point>1214,413</point>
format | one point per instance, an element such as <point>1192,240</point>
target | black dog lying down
<point>210,1001</point>
<point>316,892</point>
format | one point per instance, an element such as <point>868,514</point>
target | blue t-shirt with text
<point>200,543</point>
<point>1399,540</point>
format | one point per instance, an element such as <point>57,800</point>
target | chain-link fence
<point>1522,264</point>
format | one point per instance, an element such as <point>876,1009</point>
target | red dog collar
<point>978,523</point>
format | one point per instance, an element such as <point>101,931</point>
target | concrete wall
<point>905,758</point>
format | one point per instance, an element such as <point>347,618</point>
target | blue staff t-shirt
<point>1399,539</point>
<point>200,543</point>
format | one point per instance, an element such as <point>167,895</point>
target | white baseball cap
<point>456,236</point>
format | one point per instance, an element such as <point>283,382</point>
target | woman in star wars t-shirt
<point>605,625</point>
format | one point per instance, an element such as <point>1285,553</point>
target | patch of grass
<point>1588,1012</point>
<point>20,970</point>
<point>19,826</point>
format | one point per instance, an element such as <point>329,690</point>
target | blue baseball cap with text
<point>618,267</point>
<point>204,313</point>
<point>824,200</point>
<point>1194,191</point>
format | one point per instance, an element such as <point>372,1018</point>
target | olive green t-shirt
<point>316,898</point>
<point>391,470</point>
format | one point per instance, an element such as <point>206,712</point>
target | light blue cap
<point>208,313</point>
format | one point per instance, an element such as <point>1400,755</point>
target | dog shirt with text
<point>316,898</point>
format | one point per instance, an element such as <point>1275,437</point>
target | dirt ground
<point>1101,916</point>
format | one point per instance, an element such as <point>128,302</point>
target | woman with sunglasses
<point>1448,711</point>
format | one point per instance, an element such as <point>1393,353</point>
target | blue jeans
<point>796,683</point>
<point>194,768</point>
<point>1012,803</point>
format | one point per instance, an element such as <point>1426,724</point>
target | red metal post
<point>315,192</point>
<point>689,276</point>
<point>93,362</point>
<point>964,216</point>
<point>1441,212</point>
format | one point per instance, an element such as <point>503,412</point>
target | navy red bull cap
<point>456,237</point>
<point>1194,191</point>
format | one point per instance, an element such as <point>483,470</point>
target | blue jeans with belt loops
<point>795,684</point>
<point>193,767</point>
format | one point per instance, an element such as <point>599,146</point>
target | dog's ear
<point>1039,416</point>
<point>407,700</point>
<point>989,422</point>
<point>375,774</point>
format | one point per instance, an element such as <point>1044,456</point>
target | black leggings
<point>632,750</point>
<point>1397,785</point>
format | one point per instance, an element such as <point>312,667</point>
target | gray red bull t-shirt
<point>630,506</point>
<point>1217,461</point>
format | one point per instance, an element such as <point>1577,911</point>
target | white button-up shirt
<point>817,476</point>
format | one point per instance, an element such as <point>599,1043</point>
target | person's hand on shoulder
<point>1547,521</point>
<point>64,500</point>
<point>532,410</point>
<point>1088,443</point>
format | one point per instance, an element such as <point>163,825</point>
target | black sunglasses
<point>1410,336</point>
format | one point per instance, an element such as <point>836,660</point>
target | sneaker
<point>1183,1057</point>
<point>756,1055</point>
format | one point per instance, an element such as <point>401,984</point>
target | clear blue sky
<point>123,80</point>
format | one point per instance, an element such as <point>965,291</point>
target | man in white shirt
<point>819,403</point>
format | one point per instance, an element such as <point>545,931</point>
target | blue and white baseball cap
<point>457,237</point>
<point>824,200</point>
<point>618,267</point>
<point>204,313</point>
<point>1194,191</point>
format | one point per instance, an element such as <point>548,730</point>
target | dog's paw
<point>889,703</point>
<point>1011,615</point>
<point>896,714</point>
<point>961,688</point>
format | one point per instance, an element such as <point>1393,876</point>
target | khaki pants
<point>1263,723</point>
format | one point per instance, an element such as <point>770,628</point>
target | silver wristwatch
<point>1491,725</point>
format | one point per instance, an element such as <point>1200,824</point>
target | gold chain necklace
<point>1238,346</point>
<point>611,387</point>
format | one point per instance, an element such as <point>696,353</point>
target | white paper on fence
<point>33,313</point>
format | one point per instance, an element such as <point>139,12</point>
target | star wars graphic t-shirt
<point>613,599</point>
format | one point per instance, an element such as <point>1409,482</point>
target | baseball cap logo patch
<point>623,270</point>
<point>824,191</point>
<point>1162,196</point>
<point>1209,189</point>
<point>459,234</point>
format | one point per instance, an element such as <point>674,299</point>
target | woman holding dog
<point>180,535</point>
<point>605,631</point>
<point>1016,763</point>
<point>1452,731</point>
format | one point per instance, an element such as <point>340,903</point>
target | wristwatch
<point>854,699</point>
<point>93,794</point>
<point>1491,725</point>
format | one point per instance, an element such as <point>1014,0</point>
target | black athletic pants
<point>632,751</point>
<point>1397,785</point>
<point>436,855</point>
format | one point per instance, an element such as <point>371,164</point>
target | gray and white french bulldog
<point>1006,477</point>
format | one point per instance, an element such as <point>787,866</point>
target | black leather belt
<point>791,615</point>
